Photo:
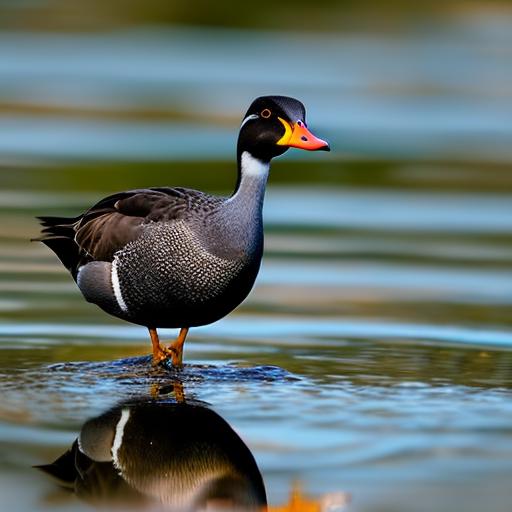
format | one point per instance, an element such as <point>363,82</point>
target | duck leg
<point>159,353</point>
<point>175,350</point>
<point>176,347</point>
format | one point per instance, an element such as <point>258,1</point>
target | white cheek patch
<point>249,118</point>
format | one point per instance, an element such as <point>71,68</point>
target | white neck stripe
<point>251,166</point>
<point>253,176</point>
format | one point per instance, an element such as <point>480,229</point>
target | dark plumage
<point>174,257</point>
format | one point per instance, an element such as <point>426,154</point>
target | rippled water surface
<point>374,356</point>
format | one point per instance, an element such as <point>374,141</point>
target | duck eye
<point>266,113</point>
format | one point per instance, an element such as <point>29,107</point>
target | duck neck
<point>252,180</point>
<point>238,227</point>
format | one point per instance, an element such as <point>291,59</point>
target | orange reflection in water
<point>298,502</point>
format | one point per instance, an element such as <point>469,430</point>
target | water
<point>374,357</point>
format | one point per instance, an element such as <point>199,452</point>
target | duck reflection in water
<point>161,455</point>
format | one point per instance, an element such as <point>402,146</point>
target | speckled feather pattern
<point>168,279</point>
<point>175,257</point>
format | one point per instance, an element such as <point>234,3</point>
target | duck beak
<point>298,136</point>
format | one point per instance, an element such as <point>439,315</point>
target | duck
<point>172,257</point>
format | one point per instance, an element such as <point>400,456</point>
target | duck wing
<point>110,224</point>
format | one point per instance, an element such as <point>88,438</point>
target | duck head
<point>272,125</point>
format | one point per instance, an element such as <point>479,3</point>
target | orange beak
<point>300,137</point>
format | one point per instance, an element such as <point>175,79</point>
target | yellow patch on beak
<point>283,141</point>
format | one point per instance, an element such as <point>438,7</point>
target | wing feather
<point>110,224</point>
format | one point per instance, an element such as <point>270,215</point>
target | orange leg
<point>159,352</point>
<point>175,350</point>
<point>176,347</point>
